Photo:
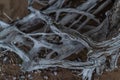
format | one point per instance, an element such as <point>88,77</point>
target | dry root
<point>49,39</point>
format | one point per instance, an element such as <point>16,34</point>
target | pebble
<point>55,73</point>
<point>45,77</point>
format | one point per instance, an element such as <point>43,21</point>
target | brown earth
<point>12,8</point>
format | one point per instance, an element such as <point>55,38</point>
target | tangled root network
<point>48,37</point>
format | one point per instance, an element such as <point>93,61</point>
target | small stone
<point>14,78</point>
<point>22,77</point>
<point>46,77</point>
<point>29,75</point>
<point>55,73</point>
